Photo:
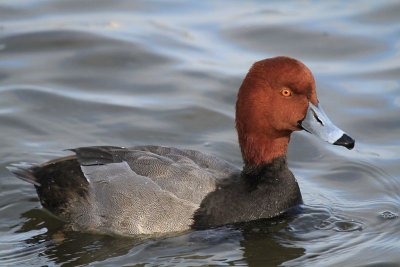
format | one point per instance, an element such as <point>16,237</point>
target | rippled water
<point>76,73</point>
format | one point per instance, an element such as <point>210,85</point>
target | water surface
<point>78,73</point>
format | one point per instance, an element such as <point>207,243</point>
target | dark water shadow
<point>262,244</point>
<point>252,244</point>
<point>62,246</point>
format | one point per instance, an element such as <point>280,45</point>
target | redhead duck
<point>155,189</point>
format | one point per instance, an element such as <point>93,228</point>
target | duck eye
<point>286,92</point>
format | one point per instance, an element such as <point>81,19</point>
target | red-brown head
<point>273,100</point>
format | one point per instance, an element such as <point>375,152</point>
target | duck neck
<point>266,173</point>
<point>261,150</point>
<point>265,160</point>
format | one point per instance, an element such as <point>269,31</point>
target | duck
<point>149,189</point>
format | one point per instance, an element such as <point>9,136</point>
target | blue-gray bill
<point>317,122</point>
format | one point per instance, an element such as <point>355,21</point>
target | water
<point>75,73</point>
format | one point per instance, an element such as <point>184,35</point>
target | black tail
<point>58,183</point>
<point>24,171</point>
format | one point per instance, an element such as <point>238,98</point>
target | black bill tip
<point>345,141</point>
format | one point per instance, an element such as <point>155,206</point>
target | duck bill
<point>317,122</point>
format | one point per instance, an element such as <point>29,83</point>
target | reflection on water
<point>79,73</point>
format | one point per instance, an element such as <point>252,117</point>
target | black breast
<point>263,191</point>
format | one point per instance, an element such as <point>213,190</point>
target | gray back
<point>145,189</point>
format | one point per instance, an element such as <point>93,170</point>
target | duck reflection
<point>256,243</point>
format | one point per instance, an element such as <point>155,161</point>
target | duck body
<point>155,189</point>
<point>128,191</point>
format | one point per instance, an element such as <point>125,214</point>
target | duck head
<point>278,96</point>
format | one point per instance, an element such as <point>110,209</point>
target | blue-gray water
<point>76,73</point>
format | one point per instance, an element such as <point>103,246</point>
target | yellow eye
<point>286,92</point>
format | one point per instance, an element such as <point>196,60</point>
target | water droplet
<point>388,215</point>
<point>347,226</point>
<point>324,225</point>
<point>339,225</point>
